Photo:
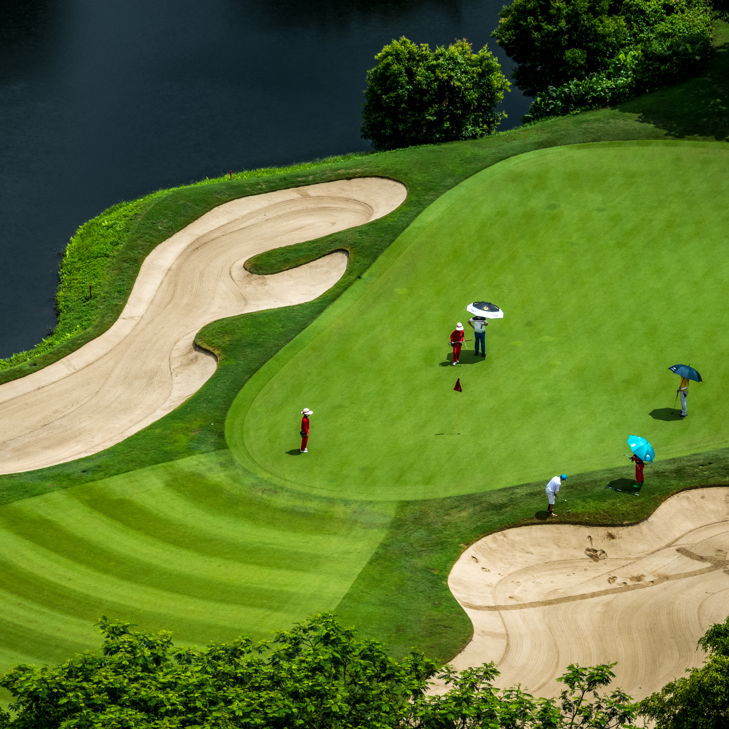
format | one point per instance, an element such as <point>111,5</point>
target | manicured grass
<point>245,343</point>
<point>183,511</point>
<point>604,286</point>
<point>193,545</point>
<point>402,598</point>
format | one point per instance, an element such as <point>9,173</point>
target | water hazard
<point>102,102</point>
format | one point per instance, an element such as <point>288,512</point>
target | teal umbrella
<point>641,448</point>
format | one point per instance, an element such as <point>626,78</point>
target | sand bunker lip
<point>542,597</point>
<point>145,365</point>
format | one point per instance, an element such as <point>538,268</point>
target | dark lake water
<point>106,101</point>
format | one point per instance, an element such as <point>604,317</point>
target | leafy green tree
<point>701,699</point>
<point>582,705</point>
<point>317,675</point>
<point>417,96</point>
<point>555,41</point>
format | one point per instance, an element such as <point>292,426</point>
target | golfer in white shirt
<point>552,490</point>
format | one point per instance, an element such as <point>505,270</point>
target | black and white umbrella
<point>485,309</point>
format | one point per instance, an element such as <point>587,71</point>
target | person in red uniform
<point>305,429</point>
<point>457,342</point>
<point>638,470</point>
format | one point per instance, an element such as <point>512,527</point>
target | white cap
<point>459,325</point>
<point>306,411</point>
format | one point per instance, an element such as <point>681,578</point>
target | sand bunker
<point>146,365</point>
<point>542,597</point>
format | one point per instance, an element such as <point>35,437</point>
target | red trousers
<point>304,441</point>
<point>639,465</point>
<point>457,352</point>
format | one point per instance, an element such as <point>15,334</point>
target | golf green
<point>193,546</point>
<point>610,263</point>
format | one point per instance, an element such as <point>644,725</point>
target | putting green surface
<point>610,262</point>
<point>192,546</point>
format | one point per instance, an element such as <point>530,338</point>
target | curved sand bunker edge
<point>542,597</point>
<point>36,364</point>
<point>236,230</point>
<point>251,262</point>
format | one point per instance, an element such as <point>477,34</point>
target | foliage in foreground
<point>701,699</point>
<point>316,675</point>
<point>417,96</point>
<point>583,54</point>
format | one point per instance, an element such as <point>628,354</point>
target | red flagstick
<point>231,174</point>
<point>459,390</point>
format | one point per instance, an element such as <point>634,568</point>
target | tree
<point>417,96</point>
<point>315,675</point>
<point>555,41</point>
<point>701,699</point>
<point>721,9</point>
<point>318,675</point>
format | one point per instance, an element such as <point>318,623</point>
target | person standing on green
<point>683,392</point>
<point>479,324</point>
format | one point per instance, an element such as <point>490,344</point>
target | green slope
<point>195,545</point>
<point>604,286</point>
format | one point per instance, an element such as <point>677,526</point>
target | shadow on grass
<point>294,452</point>
<point>463,361</point>
<point>698,107</point>
<point>624,485</point>
<point>667,414</point>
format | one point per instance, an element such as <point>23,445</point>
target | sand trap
<point>146,365</point>
<point>542,597</point>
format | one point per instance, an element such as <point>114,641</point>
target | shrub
<point>417,96</point>
<point>318,675</point>
<point>556,41</point>
<point>701,699</point>
<point>670,41</point>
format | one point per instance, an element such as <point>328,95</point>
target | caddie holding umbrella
<point>686,373</point>
<point>482,310</point>
<point>642,453</point>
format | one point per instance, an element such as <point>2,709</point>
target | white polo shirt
<point>553,485</point>
<point>478,325</point>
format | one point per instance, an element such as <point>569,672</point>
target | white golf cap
<point>306,411</point>
<point>459,325</point>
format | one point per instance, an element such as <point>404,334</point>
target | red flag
<point>458,387</point>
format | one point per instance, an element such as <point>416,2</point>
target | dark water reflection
<point>102,102</point>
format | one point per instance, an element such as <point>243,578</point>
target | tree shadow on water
<point>666,414</point>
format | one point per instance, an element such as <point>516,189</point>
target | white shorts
<point>550,496</point>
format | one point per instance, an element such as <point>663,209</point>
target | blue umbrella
<point>686,371</point>
<point>641,448</point>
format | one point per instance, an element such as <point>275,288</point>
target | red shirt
<point>305,424</point>
<point>457,336</point>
